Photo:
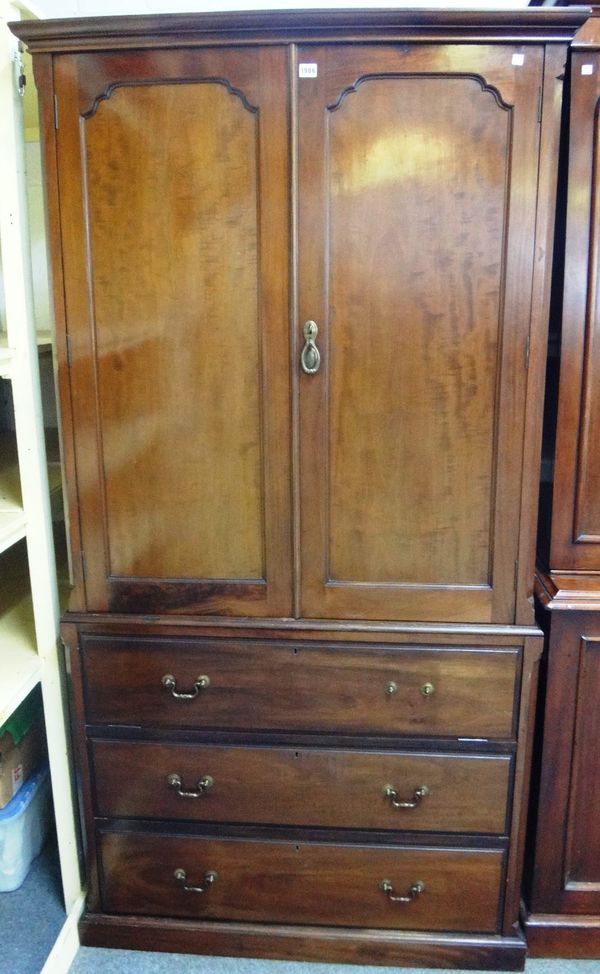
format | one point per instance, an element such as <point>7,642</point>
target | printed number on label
<point>307,70</point>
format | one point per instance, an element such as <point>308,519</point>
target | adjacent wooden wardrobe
<point>301,270</point>
<point>564,886</point>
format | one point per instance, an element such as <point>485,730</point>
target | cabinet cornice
<point>280,26</point>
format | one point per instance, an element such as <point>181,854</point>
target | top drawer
<point>254,685</point>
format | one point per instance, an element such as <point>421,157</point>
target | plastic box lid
<point>22,799</point>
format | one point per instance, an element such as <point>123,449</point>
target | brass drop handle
<point>310,357</point>
<point>170,683</point>
<point>210,877</point>
<point>391,687</point>
<point>204,785</point>
<point>418,795</point>
<point>415,890</point>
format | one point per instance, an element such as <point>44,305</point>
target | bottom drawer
<point>287,882</point>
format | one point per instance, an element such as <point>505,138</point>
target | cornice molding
<point>530,25</point>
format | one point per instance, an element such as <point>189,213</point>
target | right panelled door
<point>416,193</point>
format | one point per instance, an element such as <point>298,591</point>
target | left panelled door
<point>173,177</point>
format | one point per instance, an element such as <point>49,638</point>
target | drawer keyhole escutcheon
<point>202,788</point>
<point>210,877</point>
<point>418,795</point>
<point>415,890</point>
<point>170,683</point>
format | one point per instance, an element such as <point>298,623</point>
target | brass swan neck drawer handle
<point>310,357</point>
<point>170,683</point>
<point>418,795</point>
<point>210,877</point>
<point>415,890</point>
<point>204,785</point>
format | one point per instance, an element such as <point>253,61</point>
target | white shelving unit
<point>29,604</point>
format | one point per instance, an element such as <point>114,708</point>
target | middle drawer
<point>303,786</point>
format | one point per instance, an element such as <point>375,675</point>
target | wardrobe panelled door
<point>417,193</point>
<point>301,274</point>
<point>174,183</point>
<point>176,231</point>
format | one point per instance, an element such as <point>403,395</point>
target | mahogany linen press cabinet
<point>301,270</point>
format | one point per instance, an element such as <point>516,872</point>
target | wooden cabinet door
<point>173,177</point>
<point>416,209</point>
<point>576,506</point>
<point>566,874</point>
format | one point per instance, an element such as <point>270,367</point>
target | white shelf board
<point>7,353</point>
<point>44,340</point>
<point>13,523</point>
<point>20,665</point>
<point>13,527</point>
<point>6,359</point>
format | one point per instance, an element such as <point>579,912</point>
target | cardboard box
<point>22,746</point>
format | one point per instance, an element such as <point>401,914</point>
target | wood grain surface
<point>301,786</point>
<point>301,882</point>
<point>266,686</point>
<point>175,236</point>
<point>416,189</point>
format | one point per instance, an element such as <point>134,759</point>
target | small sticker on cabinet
<point>307,70</point>
<point>587,68</point>
<point>518,59</point>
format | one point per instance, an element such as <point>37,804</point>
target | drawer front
<point>285,882</point>
<point>309,787</point>
<point>250,685</point>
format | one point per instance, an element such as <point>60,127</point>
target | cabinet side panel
<point>44,79</point>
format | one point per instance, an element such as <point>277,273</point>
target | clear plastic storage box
<point>23,827</point>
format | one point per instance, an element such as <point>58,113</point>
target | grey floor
<point>90,960</point>
<point>31,917</point>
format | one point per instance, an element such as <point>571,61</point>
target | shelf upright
<point>29,648</point>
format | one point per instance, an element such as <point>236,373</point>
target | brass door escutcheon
<point>310,357</point>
